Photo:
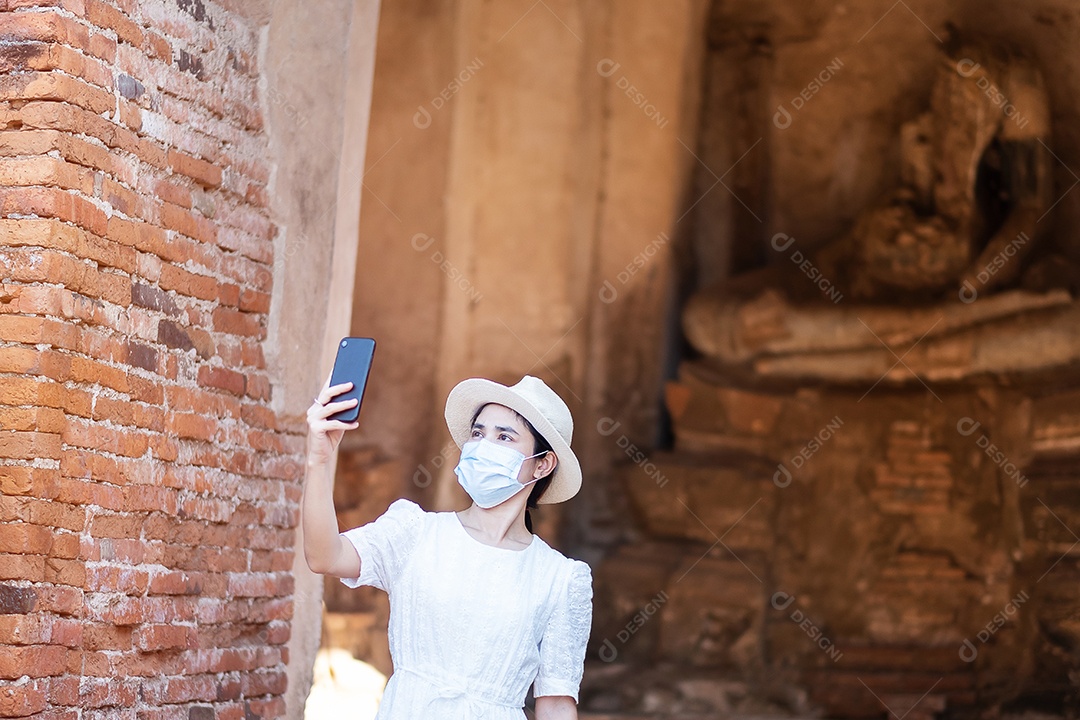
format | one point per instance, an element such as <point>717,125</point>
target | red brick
<point>229,294</point>
<point>140,236</point>
<point>78,463</point>
<point>146,391</point>
<point>112,693</point>
<point>65,572</point>
<point>82,277</point>
<point>28,330</point>
<point>32,361</point>
<point>46,114</point>
<point>107,636</point>
<point>158,47</point>
<point>24,538</point>
<point>222,379</point>
<point>65,546</point>
<point>267,682</point>
<point>99,437</point>
<point>150,498</point>
<point>45,27</point>
<point>131,116</point>
<point>194,426</point>
<point>235,322</point>
<point>171,192</point>
<point>118,411</point>
<point>103,15</point>
<point>82,354</point>
<point>26,629</point>
<point>18,600</point>
<point>53,203</point>
<point>119,550</point>
<point>197,169</point>
<point>258,387</point>
<point>116,526</point>
<point>33,660</point>
<point>46,420</point>
<point>188,283</point>
<point>55,515</point>
<point>74,63</point>
<point>255,301</point>
<point>57,235</point>
<point>84,370</point>
<point>188,222</point>
<point>260,585</point>
<point>20,699</point>
<point>29,445</point>
<point>109,578</point>
<point>37,300</point>
<point>274,707</point>
<point>66,601</point>
<point>55,86</point>
<point>64,690</point>
<point>164,448</point>
<point>22,567</point>
<point>123,200</point>
<point>75,150</point>
<point>44,170</point>
<point>25,480</point>
<point>149,638</point>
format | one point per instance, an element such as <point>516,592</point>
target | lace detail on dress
<point>472,626</point>
<point>384,545</point>
<point>562,650</point>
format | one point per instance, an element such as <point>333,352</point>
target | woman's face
<point>502,426</point>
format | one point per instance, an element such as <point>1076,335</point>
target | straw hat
<point>536,402</point>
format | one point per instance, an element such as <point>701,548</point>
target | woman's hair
<point>540,444</point>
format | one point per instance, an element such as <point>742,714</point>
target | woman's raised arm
<point>325,551</point>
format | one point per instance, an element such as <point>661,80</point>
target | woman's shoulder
<point>572,567</point>
<point>407,511</point>
<point>405,505</point>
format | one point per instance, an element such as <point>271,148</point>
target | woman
<point>480,608</point>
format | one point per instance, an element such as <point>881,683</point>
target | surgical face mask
<point>489,471</point>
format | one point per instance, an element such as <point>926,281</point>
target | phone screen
<point>353,364</point>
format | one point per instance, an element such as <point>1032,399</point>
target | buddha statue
<point>951,249</point>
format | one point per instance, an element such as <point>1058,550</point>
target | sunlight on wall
<point>343,687</point>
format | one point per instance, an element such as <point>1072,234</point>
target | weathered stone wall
<point>527,173</point>
<point>157,346</point>
<point>894,545</point>
<point>814,94</point>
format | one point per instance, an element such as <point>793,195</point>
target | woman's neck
<point>502,525</point>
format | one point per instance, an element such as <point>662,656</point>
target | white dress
<point>472,626</point>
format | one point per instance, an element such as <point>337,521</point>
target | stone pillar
<point>317,86</point>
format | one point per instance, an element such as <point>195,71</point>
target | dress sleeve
<point>385,543</point>
<point>562,649</point>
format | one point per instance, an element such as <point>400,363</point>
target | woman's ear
<point>546,465</point>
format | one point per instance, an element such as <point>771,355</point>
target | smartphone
<point>353,363</point>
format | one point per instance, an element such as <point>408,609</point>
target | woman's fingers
<point>329,391</point>
<point>319,411</point>
<point>338,425</point>
<point>325,426</point>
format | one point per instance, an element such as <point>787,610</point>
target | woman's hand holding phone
<point>328,419</point>
<point>324,434</point>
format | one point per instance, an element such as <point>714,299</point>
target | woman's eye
<point>477,433</point>
<point>506,438</point>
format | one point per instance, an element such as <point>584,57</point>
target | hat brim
<point>470,395</point>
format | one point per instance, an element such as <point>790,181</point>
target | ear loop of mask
<point>542,452</point>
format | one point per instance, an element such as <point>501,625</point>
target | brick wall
<point>149,491</point>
